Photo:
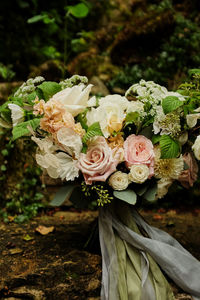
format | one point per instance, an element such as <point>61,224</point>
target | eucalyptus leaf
<point>63,194</point>
<point>171,103</point>
<point>141,189</point>
<point>150,194</point>
<point>127,195</point>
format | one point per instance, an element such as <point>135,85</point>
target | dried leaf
<point>44,230</point>
<point>15,251</point>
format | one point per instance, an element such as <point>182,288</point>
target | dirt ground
<point>46,258</point>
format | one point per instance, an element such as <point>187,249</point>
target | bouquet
<point>112,151</point>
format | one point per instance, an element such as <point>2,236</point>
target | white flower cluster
<point>28,87</point>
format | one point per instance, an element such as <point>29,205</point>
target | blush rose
<point>189,176</point>
<point>99,162</point>
<point>139,150</point>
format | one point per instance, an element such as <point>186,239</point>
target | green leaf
<point>63,194</point>
<point>169,147</point>
<point>22,130</point>
<point>156,139</point>
<point>147,132</point>
<point>35,19</point>
<point>171,103</point>
<point>93,130</point>
<point>82,119</point>
<point>31,97</point>
<point>127,195</point>
<point>5,124</point>
<point>150,194</point>
<point>49,88</point>
<point>132,118</point>
<point>141,189</point>
<point>80,10</point>
<point>192,72</point>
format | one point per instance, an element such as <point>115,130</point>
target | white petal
<point>17,113</point>
<point>70,141</point>
<point>92,102</point>
<point>67,167</point>
<point>192,119</point>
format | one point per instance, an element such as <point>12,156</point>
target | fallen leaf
<point>157,217</point>
<point>15,251</point>
<point>44,230</point>
<point>27,238</point>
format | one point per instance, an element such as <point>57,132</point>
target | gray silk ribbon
<point>173,259</point>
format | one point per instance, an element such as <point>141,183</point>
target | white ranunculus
<point>119,181</point>
<point>60,164</point>
<point>48,162</point>
<point>135,106</point>
<point>74,99</point>
<point>110,114</point>
<point>17,113</point>
<point>139,173</point>
<point>162,187</point>
<point>68,168</point>
<point>193,118</point>
<point>196,148</point>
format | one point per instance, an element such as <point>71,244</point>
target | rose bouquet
<point>112,148</point>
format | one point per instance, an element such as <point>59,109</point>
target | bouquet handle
<point>130,259</point>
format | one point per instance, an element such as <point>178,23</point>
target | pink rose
<point>99,162</point>
<point>189,176</point>
<point>139,150</point>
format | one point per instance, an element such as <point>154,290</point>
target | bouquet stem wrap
<point>130,258</point>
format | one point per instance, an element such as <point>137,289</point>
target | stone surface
<point>58,266</point>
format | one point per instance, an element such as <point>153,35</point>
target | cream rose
<point>99,162</point>
<point>139,173</point>
<point>139,150</point>
<point>196,148</point>
<point>119,181</point>
<point>74,99</point>
<point>110,114</point>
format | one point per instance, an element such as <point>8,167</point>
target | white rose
<point>139,173</point>
<point>192,118</point>
<point>119,181</point>
<point>110,114</point>
<point>17,113</point>
<point>74,99</point>
<point>196,148</point>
